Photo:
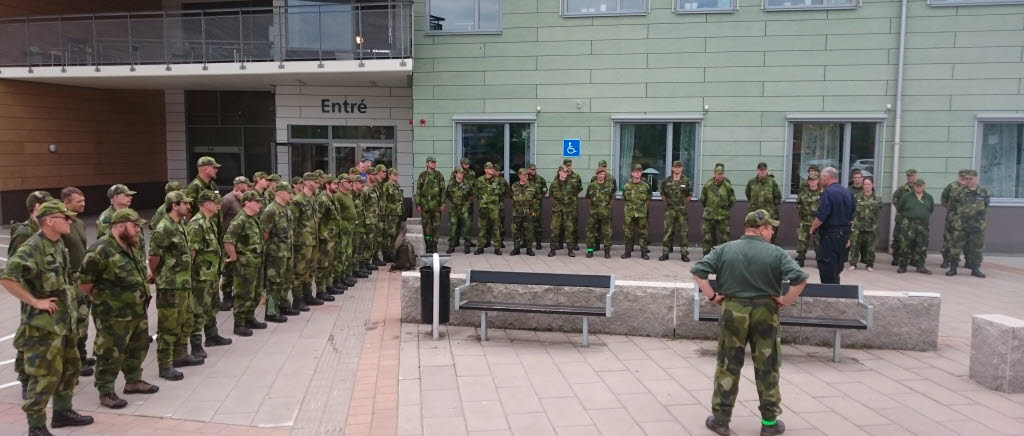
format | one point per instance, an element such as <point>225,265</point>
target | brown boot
<point>140,387</point>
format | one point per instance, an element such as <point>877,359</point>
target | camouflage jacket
<point>717,199</point>
<point>303,220</point>
<point>971,208</point>
<point>346,207</point>
<point>600,196</point>
<point>247,235</point>
<point>20,232</point>
<point>393,199</point>
<point>608,178</point>
<point>490,192</point>
<point>947,194</point>
<point>266,197</point>
<point>675,192</point>
<point>524,197</point>
<point>952,217</point>
<point>541,184</point>
<point>103,222</point>
<point>41,266</point>
<point>807,203</point>
<point>198,185</point>
<point>904,189</point>
<point>119,283</point>
<point>430,191</point>
<point>371,204</point>
<point>469,177</point>
<point>855,189</point>
<point>277,223</point>
<point>763,194</point>
<point>357,201</point>
<point>577,184</point>
<point>170,242</point>
<point>635,195</point>
<point>202,236</point>
<point>159,215</point>
<point>865,213</point>
<point>563,196</point>
<point>328,221</point>
<point>459,193</point>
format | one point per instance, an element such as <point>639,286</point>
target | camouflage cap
<point>459,170</point>
<point>37,197</point>
<point>602,163</point>
<point>488,165</point>
<point>358,179</point>
<point>176,197</point>
<point>392,171</point>
<point>567,162</point>
<point>962,172</point>
<point>207,160</point>
<point>759,218</point>
<point>562,168</point>
<point>309,176</point>
<point>464,160</point>
<point>380,167</point>
<point>919,182</point>
<point>638,167</point>
<point>260,175</point>
<point>431,159</point>
<point>814,167</point>
<point>251,196</point>
<point>240,180</point>
<point>127,215</point>
<point>601,171</point>
<point>296,180</point>
<point>278,187</point>
<point>677,163</point>
<point>52,207</point>
<point>813,177</point>
<point>119,189</point>
<point>911,172</point>
<point>371,170</point>
<point>319,172</point>
<point>719,168</point>
<point>276,178</point>
<point>345,178</point>
<point>328,178</point>
<point>172,186</point>
<point>762,166</point>
<point>532,166</point>
<point>353,170</point>
<point>206,196</point>
<point>970,173</point>
<point>523,171</point>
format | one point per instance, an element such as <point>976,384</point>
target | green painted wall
<point>750,67</point>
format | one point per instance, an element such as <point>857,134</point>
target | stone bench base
<point>997,352</point>
<point>902,320</point>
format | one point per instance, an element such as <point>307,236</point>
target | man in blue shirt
<point>835,213</point>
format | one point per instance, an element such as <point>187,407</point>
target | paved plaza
<point>350,367</point>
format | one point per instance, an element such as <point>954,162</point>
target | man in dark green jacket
<point>915,208</point>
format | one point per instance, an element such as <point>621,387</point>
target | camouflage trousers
<point>121,346</point>
<point>753,321</point>
<point>343,251</point>
<point>358,241</point>
<point>460,219</point>
<point>538,222</point>
<point>897,237</point>
<point>716,232</point>
<point>172,307</point>
<point>278,273</point>
<point>599,230</point>
<point>302,269</point>
<point>431,225</point>
<point>204,317</point>
<point>675,218</point>
<point>522,231</point>
<point>227,276</point>
<point>390,234</point>
<point>562,226</point>
<point>371,241</point>
<point>52,365</point>
<point>635,230</point>
<point>862,247</point>
<point>248,289</point>
<point>84,306</point>
<point>804,238</point>
<point>971,243</point>
<point>490,227</point>
<point>947,238</point>
<point>913,242</point>
<point>575,236</point>
<point>324,263</point>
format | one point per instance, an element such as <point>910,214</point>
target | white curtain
<point>822,145</point>
<point>627,133</point>
<point>1000,154</point>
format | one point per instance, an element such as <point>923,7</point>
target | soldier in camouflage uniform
<point>864,238</point>
<point>717,197</point>
<point>161,212</point>
<point>21,232</point>
<point>76,243</point>
<point>601,195</point>
<point>897,231</point>
<point>343,271</point>
<point>359,228</point>
<point>676,191</point>
<point>243,244</point>
<point>524,199</point>
<point>230,206</point>
<point>951,216</point>
<point>116,280</point>
<point>915,208</point>
<point>541,185</point>
<point>327,229</point>
<point>430,190</point>
<point>971,203</point>
<point>260,184</point>
<point>382,222</point>
<point>764,193</point>
<point>393,196</point>
<point>490,191</point>
<point>856,182</point>
<point>206,169</point>
<point>170,265</point>
<point>303,244</point>
<point>750,315</point>
<point>207,256</point>
<point>37,275</point>
<point>577,184</point>
<point>120,197</point>
<point>603,165</point>
<point>636,196</point>
<point>372,214</point>
<point>807,201</point>
<point>467,172</point>
<point>460,214</point>
<point>563,196</point>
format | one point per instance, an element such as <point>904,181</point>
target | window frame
<point>332,143</point>
<point>668,119</point>
<point>459,120</point>
<point>478,31</point>
<point>766,8</point>
<point>980,121</point>
<point>880,120</point>
<point>942,4</point>
<point>566,14</point>
<point>678,10</point>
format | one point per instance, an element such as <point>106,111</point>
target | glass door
<point>344,158</point>
<point>309,157</point>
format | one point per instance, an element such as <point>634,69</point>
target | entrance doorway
<point>335,149</point>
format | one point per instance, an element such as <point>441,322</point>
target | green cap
<point>172,186</point>
<point>459,170</point>
<point>532,166</point>
<point>813,177</point>
<point>260,175</point>
<point>344,178</point>
<point>759,218</point>
<point>911,172</point>
<point>488,165</point>
<point>329,178</point>
<point>970,173</point>
<point>523,171</point>
<point>762,166</point>
<point>380,167</point>
<point>278,187</point>
<point>814,167</point>
<point>602,163</point>
<point>567,162</point>
<point>241,180</point>
<point>37,197</point>
<point>431,159</point>
<point>117,190</point>
<point>309,176</point>
<point>392,171</point>
<point>562,168</point>
<point>371,170</point>
<point>719,168</point>
<point>962,172</point>
<point>205,196</point>
<point>319,172</point>
<point>601,170</point>
<point>353,171</point>
<point>207,160</point>
<point>919,182</point>
<point>52,207</point>
<point>127,215</point>
<point>176,197</point>
<point>677,163</point>
<point>250,196</point>
<point>274,178</point>
<point>464,160</point>
<point>638,167</point>
<point>296,180</point>
<point>358,179</point>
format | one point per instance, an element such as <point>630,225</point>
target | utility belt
<point>836,231</point>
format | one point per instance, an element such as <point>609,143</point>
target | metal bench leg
<point>483,326</point>
<point>586,332</point>
<point>837,345</point>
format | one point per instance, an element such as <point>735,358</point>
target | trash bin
<point>427,295</point>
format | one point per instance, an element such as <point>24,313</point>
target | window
<point>999,157</point>
<point>789,5</point>
<point>311,147</point>
<point>655,144</point>
<point>844,145</point>
<point>704,6</point>
<point>972,2</point>
<point>508,143</point>
<point>571,8</point>
<point>464,16</point>
<point>234,127</point>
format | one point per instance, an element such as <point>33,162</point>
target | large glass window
<point>972,2</point>
<point>1000,157</point>
<point>842,145</point>
<point>507,144</point>
<point>656,146</point>
<point>234,127</point>
<point>351,144</point>
<point>704,6</point>
<point>465,16</point>
<point>789,5</point>
<point>603,7</point>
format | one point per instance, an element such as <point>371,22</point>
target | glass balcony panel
<point>12,51</point>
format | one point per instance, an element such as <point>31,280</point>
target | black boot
<point>497,251</point>
<point>977,273</point>
<point>188,360</point>
<point>228,302</point>
<point>643,254</point>
<point>39,431</point>
<point>361,273</point>
<point>902,269</point>
<point>923,270</point>
<point>467,248</point>
<point>607,253</point>
<point>275,318</point>
<point>313,301</point>
<point>773,430</point>
<point>377,262</point>
<point>590,253</point>
<point>515,252</point>
<point>628,254</point>
<point>685,256</point>
<point>945,264</point>
<point>323,296</point>
<point>537,244</point>
<point>712,424</point>
<point>952,270</point>
<point>487,245</point>
<point>300,305</point>
<point>64,418</point>
<point>551,253</point>
<point>571,253</point>
<point>477,252</point>
<point>895,261</point>
<point>663,257</point>
<point>240,330</point>
<point>255,325</point>
<point>173,374</point>
<point>349,281</point>
<point>288,311</point>
<point>216,341</point>
<point>198,351</point>
<point>370,266</point>
<point>529,252</point>
<point>451,249</point>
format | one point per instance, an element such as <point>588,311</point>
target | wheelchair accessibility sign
<point>571,148</point>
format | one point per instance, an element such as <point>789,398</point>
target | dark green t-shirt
<point>749,267</point>
<point>910,207</point>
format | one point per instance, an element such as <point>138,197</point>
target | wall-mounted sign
<point>343,107</point>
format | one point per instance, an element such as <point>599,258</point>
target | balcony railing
<point>268,34</point>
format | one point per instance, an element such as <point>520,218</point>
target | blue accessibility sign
<point>571,148</point>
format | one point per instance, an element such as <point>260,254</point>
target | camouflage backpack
<point>405,257</point>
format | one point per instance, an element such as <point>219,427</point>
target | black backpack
<point>405,257</point>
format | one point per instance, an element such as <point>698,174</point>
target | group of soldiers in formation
<point>266,238</point>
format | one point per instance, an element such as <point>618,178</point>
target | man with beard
<point>303,244</point>
<point>206,266</point>
<point>76,243</point>
<point>243,244</point>
<point>327,229</point>
<point>21,232</point>
<point>120,197</point>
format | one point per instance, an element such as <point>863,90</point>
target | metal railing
<point>268,34</point>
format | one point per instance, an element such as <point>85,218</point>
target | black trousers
<point>832,253</point>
